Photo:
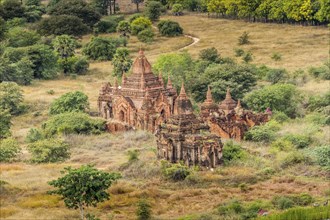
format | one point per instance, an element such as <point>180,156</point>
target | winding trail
<point>195,41</point>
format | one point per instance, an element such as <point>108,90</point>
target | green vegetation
<point>139,24</point>
<point>175,172</point>
<point>70,102</point>
<point>121,61</point>
<point>9,149</point>
<point>169,28</point>
<point>153,10</point>
<point>100,48</point>
<point>143,211</point>
<point>231,152</point>
<point>90,192</point>
<point>49,151</point>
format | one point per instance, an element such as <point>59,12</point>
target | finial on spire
<point>169,83</point>
<point>209,94</point>
<point>228,96</point>
<point>239,104</point>
<point>141,51</point>
<point>182,92</point>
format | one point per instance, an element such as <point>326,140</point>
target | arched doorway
<point>122,116</point>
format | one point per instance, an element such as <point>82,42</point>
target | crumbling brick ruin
<point>143,102</point>
<point>229,119</point>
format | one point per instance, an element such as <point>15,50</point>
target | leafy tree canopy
<point>11,97</point>
<point>70,102</point>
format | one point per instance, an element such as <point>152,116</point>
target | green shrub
<point>282,202</point>
<point>262,133</point>
<point>298,140</point>
<point>276,75</point>
<point>146,36</point>
<point>177,9</point>
<point>100,48</point>
<point>21,37</point>
<point>318,118</point>
<point>303,199</point>
<point>105,26</point>
<point>231,152</point>
<point>282,145</point>
<point>62,24</point>
<point>209,54</point>
<point>140,24</point>
<point>322,154</point>
<point>133,155</point>
<point>169,28</point>
<point>11,98</point>
<point>70,102</point>
<point>175,172</point>
<point>143,211</point>
<point>244,38</point>
<point>233,207</point>
<point>49,151</point>
<point>276,56</point>
<point>247,57</point>
<point>9,149</point>
<point>239,52</point>
<point>73,123</point>
<point>134,16</point>
<point>322,72</point>
<point>77,65</point>
<point>319,103</point>
<point>280,117</point>
<point>5,123</point>
<point>293,158</point>
<point>34,135</point>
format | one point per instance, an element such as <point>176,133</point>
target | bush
<point>233,207</point>
<point>11,98</point>
<point>70,102</point>
<point>140,24</point>
<point>78,65</point>
<point>276,75</point>
<point>133,155</point>
<point>34,135</point>
<point>62,24</point>
<point>10,9</point>
<point>282,145</point>
<point>282,202</point>
<point>303,199</point>
<point>169,28</point>
<point>49,151</point>
<point>177,9</point>
<point>210,54</point>
<point>22,37</point>
<point>244,38</point>
<point>146,36</point>
<point>239,52</point>
<point>143,211</point>
<point>322,72</point>
<point>231,152</point>
<point>108,24</point>
<point>322,154</point>
<point>134,16</point>
<point>280,117</point>
<point>276,56</point>
<point>20,72</point>
<point>153,10</point>
<point>5,123</point>
<point>263,133</point>
<point>278,97</point>
<point>9,149</point>
<point>175,172</point>
<point>101,48</point>
<point>247,57</point>
<point>72,123</point>
<point>318,118</point>
<point>298,140</point>
<point>319,103</point>
<point>293,158</point>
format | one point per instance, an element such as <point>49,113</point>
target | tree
<point>153,10</point>
<point>137,2</point>
<point>10,9</point>
<point>62,24</point>
<point>22,37</point>
<point>323,14</point>
<point>124,28</point>
<point>239,78</point>
<point>169,28</point>
<point>216,6</point>
<point>9,149</point>
<point>121,61</point>
<point>210,54</point>
<point>177,9</point>
<point>100,48</point>
<point>20,72</point>
<point>140,24</point>
<point>77,8</point>
<point>5,123</point>
<point>278,97</point>
<point>276,75</point>
<point>11,98</point>
<point>83,187</point>
<point>49,151</point>
<point>146,36</point>
<point>65,47</point>
<point>70,102</point>
<point>3,28</point>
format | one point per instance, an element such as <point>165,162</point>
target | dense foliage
<point>72,123</point>
<point>169,28</point>
<point>121,61</point>
<point>9,149</point>
<point>11,98</point>
<point>231,152</point>
<point>143,211</point>
<point>140,24</point>
<point>5,123</point>
<point>153,10</point>
<point>100,48</point>
<point>70,102</point>
<point>280,97</point>
<point>49,151</point>
<point>90,191</point>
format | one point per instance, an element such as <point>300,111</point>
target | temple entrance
<point>122,116</point>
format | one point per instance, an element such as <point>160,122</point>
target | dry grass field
<point>25,197</point>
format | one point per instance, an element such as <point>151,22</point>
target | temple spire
<point>160,77</point>
<point>228,95</point>
<point>169,83</point>
<point>209,95</point>
<point>183,94</point>
<point>116,83</point>
<point>239,104</point>
<point>142,80</point>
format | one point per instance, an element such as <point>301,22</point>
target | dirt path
<point>195,41</point>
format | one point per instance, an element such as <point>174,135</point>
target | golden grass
<point>301,47</point>
<point>41,200</point>
<point>7,211</point>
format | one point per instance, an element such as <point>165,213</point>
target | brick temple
<point>144,102</point>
